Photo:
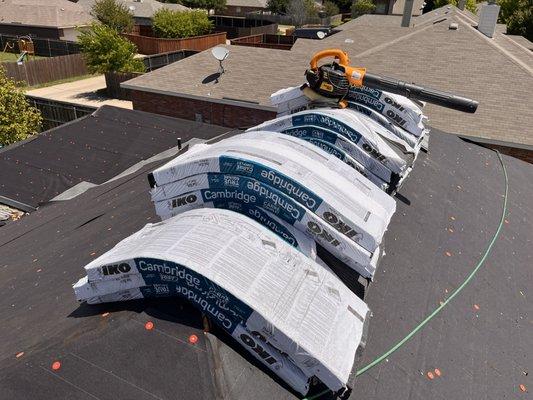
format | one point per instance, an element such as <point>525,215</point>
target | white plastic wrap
<point>294,315</point>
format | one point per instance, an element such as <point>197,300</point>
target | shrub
<point>360,7</point>
<point>180,24</point>
<point>18,120</point>
<point>330,8</point>
<point>112,14</point>
<point>106,51</point>
<point>217,5</point>
<point>278,6</point>
<point>470,5</point>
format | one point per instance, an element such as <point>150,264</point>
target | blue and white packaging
<point>398,109</point>
<point>294,315</point>
<point>366,147</point>
<point>215,190</point>
<point>350,209</point>
<point>398,131</point>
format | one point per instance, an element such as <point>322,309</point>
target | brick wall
<point>212,113</point>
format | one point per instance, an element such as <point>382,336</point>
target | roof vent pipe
<point>488,18</point>
<point>407,13</point>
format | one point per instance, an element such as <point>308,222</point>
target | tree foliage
<point>106,51</point>
<point>180,24</point>
<point>278,6</point>
<point>301,11</point>
<point>18,120</point>
<point>360,7</point>
<point>114,15</point>
<point>217,5</point>
<point>330,8</point>
<point>518,16</point>
<point>470,5</point>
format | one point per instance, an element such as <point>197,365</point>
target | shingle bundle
<point>294,315</point>
<point>244,221</point>
<point>293,181</point>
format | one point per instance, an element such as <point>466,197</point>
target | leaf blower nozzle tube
<point>420,93</point>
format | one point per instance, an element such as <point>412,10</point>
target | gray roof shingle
<point>496,72</point>
<point>53,13</point>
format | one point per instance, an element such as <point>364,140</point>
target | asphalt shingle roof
<point>141,9</point>
<point>53,13</point>
<point>496,72</point>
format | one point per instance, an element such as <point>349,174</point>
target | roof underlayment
<point>448,209</point>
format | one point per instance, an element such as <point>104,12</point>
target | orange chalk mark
<point>430,375</point>
<point>105,314</point>
<point>476,307</point>
<point>56,365</point>
<point>523,388</point>
<point>20,354</point>
<point>437,372</point>
<point>149,325</point>
<point>193,339</point>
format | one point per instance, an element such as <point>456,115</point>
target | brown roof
<point>53,13</point>
<point>497,72</point>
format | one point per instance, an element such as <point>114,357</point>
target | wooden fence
<point>280,42</point>
<point>113,81</point>
<point>151,45</point>
<point>46,70</point>
<point>288,20</point>
<point>236,27</point>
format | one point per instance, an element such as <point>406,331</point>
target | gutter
<point>226,101</point>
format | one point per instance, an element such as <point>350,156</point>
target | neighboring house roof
<point>497,72</point>
<point>50,13</point>
<point>139,9</point>
<point>247,3</point>
<point>451,205</point>
<point>88,151</point>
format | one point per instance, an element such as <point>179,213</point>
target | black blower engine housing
<point>328,80</point>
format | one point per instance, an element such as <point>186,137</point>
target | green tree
<point>360,7</point>
<point>106,51</point>
<point>18,120</point>
<point>330,8</point>
<point>114,15</point>
<point>278,6</point>
<point>180,24</point>
<point>217,5</point>
<point>301,11</point>
<point>471,5</point>
<point>518,16</point>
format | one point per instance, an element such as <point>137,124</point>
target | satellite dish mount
<point>220,53</point>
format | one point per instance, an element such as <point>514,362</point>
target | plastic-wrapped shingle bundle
<point>398,109</point>
<point>354,134</point>
<point>295,316</point>
<point>292,181</point>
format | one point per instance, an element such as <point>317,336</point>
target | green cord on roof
<point>455,293</point>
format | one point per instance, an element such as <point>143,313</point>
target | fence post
<point>49,49</point>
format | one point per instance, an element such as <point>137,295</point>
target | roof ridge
<point>498,47</point>
<point>410,32</point>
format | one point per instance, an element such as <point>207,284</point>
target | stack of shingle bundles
<point>398,109</point>
<point>295,316</point>
<point>286,178</point>
<point>363,143</point>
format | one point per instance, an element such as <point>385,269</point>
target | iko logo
<point>339,225</point>
<point>258,349</point>
<point>395,117</point>
<point>390,101</point>
<point>322,234</point>
<point>373,152</point>
<point>115,269</point>
<point>184,200</point>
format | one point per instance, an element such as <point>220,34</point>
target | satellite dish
<point>220,53</point>
<point>321,34</point>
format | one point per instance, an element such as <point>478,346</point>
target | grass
<point>12,57</point>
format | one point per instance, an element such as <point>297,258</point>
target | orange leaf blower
<point>334,80</point>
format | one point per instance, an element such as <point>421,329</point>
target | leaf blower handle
<point>443,99</point>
